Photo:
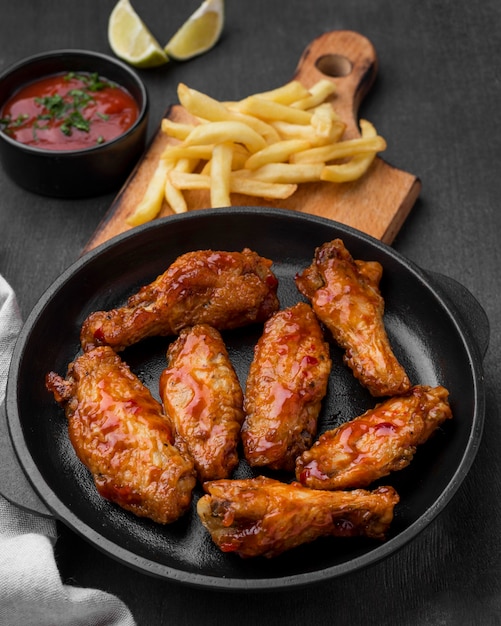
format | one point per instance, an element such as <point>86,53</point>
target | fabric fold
<point>31,590</point>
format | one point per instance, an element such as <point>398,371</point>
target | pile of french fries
<point>264,145</point>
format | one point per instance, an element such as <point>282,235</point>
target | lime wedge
<point>199,33</point>
<point>130,39</point>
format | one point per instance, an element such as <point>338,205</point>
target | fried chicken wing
<point>119,432</point>
<point>201,394</point>
<point>345,296</point>
<point>286,384</point>
<point>223,289</point>
<point>264,517</point>
<point>380,441</point>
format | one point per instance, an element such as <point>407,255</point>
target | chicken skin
<point>380,441</point>
<point>286,384</point>
<point>120,434</point>
<point>265,517</point>
<point>202,396</point>
<point>223,289</point>
<point>345,296</point>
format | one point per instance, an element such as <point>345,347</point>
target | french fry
<point>340,150</point>
<point>181,151</point>
<point>238,184</point>
<point>206,169</point>
<point>151,203</point>
<point>260,188</point>
<point>177,130</point>
<point>173,195</point>
<point>269,110</point>
<point>240,156</point>
<point>206,108</point>
<point>222,157</point>
<point>367,129</point>
<point>291,173</point>
<point>201,105</point>
<point>219,132</point>
<point>327,124</point>
<point>175,198</point>
<point>266,130</point>
<point>276,152</point>
<point>306,132</point>
<point>189,180</point>
<point>286,94</point>
<point>345,172</point>
<point>264,145</point>
<point>317,94</point>
<point>357,166</point>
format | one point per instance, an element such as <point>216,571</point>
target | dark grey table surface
<point>436,101</point>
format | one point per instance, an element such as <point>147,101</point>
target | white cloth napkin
<point>31,590</point>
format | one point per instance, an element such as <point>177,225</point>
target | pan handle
<point>14,486</point>
<point>468,308</point>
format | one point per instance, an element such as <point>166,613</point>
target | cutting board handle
<point>348,59</point>
<point>377,204</point>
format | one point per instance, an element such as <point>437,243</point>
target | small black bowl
<point>74,173</point>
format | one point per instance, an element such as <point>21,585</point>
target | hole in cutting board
<point>335,65</point>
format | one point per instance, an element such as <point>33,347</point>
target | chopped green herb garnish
<point>75,119</point>
<point>6,122</point>
<point>55,106</point>
<point>68,108</point>
<point>92,81</point>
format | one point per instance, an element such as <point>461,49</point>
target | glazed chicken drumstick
<point>285,387</point>
<point>265,517</point>
<point>380,441</point>
<point>345,296</point>
<point>202,396</point>
<point>120,434</point>
<point>223,289</point>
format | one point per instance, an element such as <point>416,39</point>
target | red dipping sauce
<point>68,111</point>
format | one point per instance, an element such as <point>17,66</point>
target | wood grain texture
<point>440,102</point>
<point>376,204</point>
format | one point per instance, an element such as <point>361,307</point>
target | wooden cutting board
<point>377,204</point>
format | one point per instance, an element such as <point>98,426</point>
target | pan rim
<point>145,565</point>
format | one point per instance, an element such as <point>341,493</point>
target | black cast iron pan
<point>438,331</point>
